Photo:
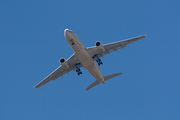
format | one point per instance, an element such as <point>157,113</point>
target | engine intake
<point>64,63</point>
<point>98,43</point>
<point>100,46</point>
<point>62,60</point>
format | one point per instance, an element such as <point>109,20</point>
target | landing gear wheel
<point>99,62</point>
<point>78,71</point>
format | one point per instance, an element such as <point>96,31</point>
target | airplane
<point>87,58</point>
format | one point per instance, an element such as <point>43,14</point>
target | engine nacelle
<point>100,46</point>
<point>64,63</point>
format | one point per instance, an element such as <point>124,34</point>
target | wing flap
<point>123,43</point>
<point>112,46</point>
<point>54,75</point>
<point>60,71</point>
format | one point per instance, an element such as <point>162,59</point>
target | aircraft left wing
<point>60,71</point>
<point>96,53</point>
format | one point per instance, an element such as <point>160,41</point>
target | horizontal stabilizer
<point>105,78</point>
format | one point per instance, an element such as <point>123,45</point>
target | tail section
<point>105,78</point>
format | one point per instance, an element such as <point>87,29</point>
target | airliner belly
<point>83,56</point>
<point>89,64</point>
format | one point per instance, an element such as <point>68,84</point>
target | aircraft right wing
<point>96,53</point>
<point>60,71</point>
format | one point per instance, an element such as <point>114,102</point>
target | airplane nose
<point>66,32</point>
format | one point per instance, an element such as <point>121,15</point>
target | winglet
<point>105,78</point>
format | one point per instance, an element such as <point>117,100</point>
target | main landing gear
<point>78,70</point>
<point>99,62</point>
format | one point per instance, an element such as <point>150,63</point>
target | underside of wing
<point>108,48</point>
<point>54,75</point>
<point>73,63</point>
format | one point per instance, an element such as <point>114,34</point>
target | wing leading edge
<point>60,71</point>
<point>95,53</point>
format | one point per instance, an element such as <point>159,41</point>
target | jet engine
<point>64,63</point>
<point>100,46</point>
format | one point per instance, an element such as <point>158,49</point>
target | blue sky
<point>32,42</point>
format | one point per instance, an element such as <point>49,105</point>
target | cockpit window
<point>73,33</point>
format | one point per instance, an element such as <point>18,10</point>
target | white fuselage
<point>82,55</point>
